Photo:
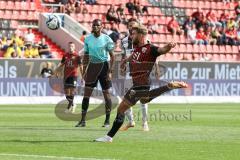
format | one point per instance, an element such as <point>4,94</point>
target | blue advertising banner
<point>54,87</point>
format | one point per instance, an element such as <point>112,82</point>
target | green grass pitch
<point>209,132</point>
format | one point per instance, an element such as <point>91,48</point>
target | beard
<point>135,42</point>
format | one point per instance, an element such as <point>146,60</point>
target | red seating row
<point>200,57</point>
<point>218,12</point>
<point>189,48</point>
<point>11,5</point>
<point>116,2</point>
<point>19,15</point>
<point>104,8</point>
<point>203,4</point>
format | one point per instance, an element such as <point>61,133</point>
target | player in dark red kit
<point>141,62</point>
<point>71,62</point>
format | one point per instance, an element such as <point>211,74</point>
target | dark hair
<point>97,20</point>
<point>84,32</point>
<point>70,42</point>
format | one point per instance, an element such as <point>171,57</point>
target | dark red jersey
<point>71,63</point>
<point>142,62</point>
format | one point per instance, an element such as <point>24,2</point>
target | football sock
<point>108,108</point>
<point>85,105</point>
<point>129,114</point>
<point>116,124</point>
<point>144,108</point>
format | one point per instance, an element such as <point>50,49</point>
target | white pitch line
<point>49,157</point>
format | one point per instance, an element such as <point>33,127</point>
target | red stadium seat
<point>10,5</point>
<point>3,4</point>
<point>7,14</point>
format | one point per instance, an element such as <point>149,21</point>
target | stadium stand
<point>159,14</point>
<point>15,16</point>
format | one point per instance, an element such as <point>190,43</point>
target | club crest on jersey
<point>144,49</point>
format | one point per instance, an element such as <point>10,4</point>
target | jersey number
<point>136,55</point>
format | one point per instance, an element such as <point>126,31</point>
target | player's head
<point>97,26</point>
<point>71,47</point>
<point>139,34</point>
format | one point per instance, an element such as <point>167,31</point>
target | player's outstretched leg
<point>154,93</point>
<point>131,123</point>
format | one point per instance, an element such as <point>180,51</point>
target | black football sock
<point>85,105</point>
<point>108,109</point>
<point>116,124</point>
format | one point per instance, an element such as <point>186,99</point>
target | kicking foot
<point>177,84</point>
<point>126,126</point>
<point>105,139</point>
<point>81,124</point>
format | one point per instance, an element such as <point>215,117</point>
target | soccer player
<point>96,67</point>
<point>71,62</point>
<point>127,47</point>
<point>141,63</point>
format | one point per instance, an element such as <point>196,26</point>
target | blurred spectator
<point>210,38</point>
<point>13,51</point>
<point>201,36</point>
<point>231,23</point>
<point>198,17</point>
<point>173,26</point>
<point>115,34</point>
<point>231,36</point>
<point>4,44</point>
<point>121,14</point>
<point>47,70</point>
<point>153,27</point>
<point>84,9</point>
<point>137,6</point>
<point>82,38</point>
<point>70,7</point>
<point>130,6</point>
<point>188,24</point>
<point>31,51</point>
<point>224,18</point>
<point>238,35</point>
<point>145,10</point>
<point>111,15</point>
<point>90,1</point>
<point>139,17</point>
<point>44,50</point>
<point>191,35</point>
<point>212,19</point>
<point>29,37</point>
<point>217,33</point>
<point>237,10</point>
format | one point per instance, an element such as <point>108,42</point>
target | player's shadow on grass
<point>44,141</point>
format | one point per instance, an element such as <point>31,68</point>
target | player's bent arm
<point>166,48</point>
